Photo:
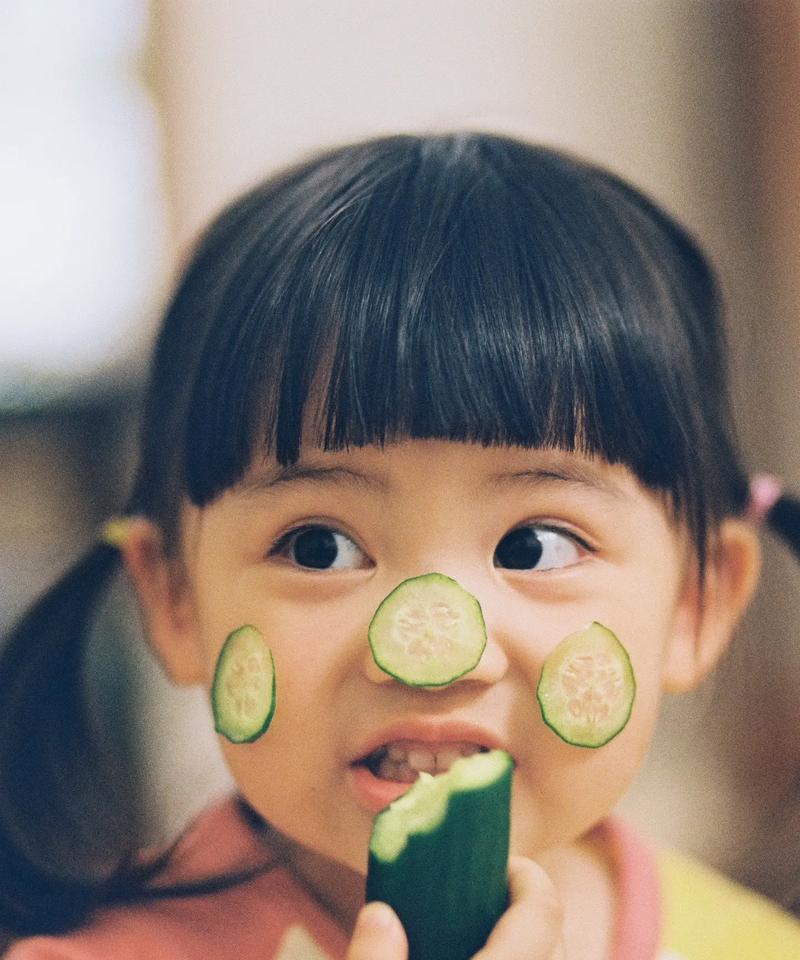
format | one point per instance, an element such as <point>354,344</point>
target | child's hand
<point>378,935</point>
<point>531,928</point>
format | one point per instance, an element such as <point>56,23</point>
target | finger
<point>378,935</point>
<point>532,926</point>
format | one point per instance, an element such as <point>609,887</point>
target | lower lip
<point>372,792</point>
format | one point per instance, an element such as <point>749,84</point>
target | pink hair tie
<point>765,491</point>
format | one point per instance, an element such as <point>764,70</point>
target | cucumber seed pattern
<point>587,687</point>
<point>427,632</point>
<point>243,686</point>
<point>243,691</point>
<point>592,684</point>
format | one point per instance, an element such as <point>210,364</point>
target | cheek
<point>295,636</point>
<point>298,723</point>
<point>566,790</point>
<point>304,654</point>
<point>646,618</point>
<point>279,772</point>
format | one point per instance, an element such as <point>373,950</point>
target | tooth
<point>386,769</point>
<point>447,757</point>
<point>399,772</point>
<point>397,751</point>
<point>407,773</point>
<point>421,759</point>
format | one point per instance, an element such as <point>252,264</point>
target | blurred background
<point>127,124</point>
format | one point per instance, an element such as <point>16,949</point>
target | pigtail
<point>783,519</point>
<point>47,756</point>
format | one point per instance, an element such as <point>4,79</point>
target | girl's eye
<point>536,548</point>
<point>320,548</point>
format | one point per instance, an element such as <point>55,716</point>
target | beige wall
<point>645,85</point>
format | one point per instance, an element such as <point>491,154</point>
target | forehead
<point>383,469</point>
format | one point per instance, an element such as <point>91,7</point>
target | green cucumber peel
<point>587,687</point>
<point>438,856</point>
<point>428,631</point>
<point>243,692</point>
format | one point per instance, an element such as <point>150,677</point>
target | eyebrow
<point>570,474</point>
<point>299,473</point>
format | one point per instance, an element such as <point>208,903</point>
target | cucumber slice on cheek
<point>587,687</point>
<point>438,856</point>
<point>243,691</point>
<point>428,632</point>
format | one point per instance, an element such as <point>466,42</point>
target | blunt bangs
<point>464,287</point>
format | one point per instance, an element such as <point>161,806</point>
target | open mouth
<point>402,761</point>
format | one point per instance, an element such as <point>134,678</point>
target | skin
<point>412,508</point>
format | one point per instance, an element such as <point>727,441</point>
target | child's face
<point>370,519</point>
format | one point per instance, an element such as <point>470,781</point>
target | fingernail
<point>375,917</point>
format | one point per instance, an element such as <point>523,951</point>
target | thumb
<point>378,935</point>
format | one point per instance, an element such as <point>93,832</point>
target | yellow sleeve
<point>706,916</point>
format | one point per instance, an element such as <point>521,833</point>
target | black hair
<point>464,287</point>
<point>467,287</point>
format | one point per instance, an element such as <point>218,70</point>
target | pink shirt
<point>272,917</point>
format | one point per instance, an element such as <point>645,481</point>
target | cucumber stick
<point>438,856</point>
<point>428,632</point>
<point>587,687</point>
<point>243,690</point>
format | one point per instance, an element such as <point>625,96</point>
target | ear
<point>707,616</point>
<point>164,599</point>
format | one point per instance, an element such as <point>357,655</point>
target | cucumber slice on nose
<point>587,687</point>
<point>428,632</point>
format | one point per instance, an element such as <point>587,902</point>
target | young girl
<point>459,354</point>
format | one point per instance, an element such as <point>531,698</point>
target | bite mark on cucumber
<point>438,856</point>
<point>587,687</point>
<point>243,690</point>
<point>428,632</point>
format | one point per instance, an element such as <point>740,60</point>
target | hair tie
<point>765,491</point>
<point>114,532</point>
